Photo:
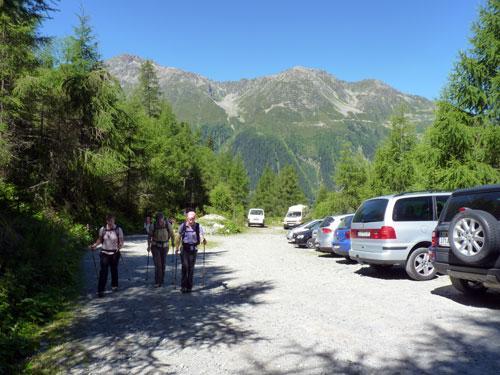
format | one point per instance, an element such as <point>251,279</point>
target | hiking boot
<point>183,290</point>
<point>114,289</point>
<point>100,294</point>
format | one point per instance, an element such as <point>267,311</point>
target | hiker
<point>148,223</point>
<point>111,238</point>
<point>191,234</point>
<point>158,236</point>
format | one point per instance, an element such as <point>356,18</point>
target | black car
<point>466,242</point>
<point>304,237</point>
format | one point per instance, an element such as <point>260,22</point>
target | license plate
<point>443,241</point>
<point>363,234</point>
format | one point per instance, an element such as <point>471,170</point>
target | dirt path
<point>271,308</point>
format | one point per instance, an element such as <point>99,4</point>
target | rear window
<point>413,209</point>
<point>326,222</point>
<point>312,224</point>
<point>371,211</point>
<point>440,202</point>
<point>294,214</point>
<point>345,222</point>
<point>489,202</point>
<point>256,212</point>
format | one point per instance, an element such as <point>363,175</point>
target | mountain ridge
<point>300,116</point>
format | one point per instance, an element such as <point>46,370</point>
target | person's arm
<point>150,237</point>
<point>98,241</point>
<point>171,234</point>
<point>203,239</point>
<point>120,238</point>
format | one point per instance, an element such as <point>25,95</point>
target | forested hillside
<point>301,116</point>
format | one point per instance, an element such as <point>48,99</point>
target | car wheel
<point>474,236</point>
<point>419,266</point>
<point>310,243</point>
<point>471,288</point>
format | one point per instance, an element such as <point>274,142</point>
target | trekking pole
<point>95,265</point>
<point>147,268</point>
<point>203,270</point>
<point>175,271</point>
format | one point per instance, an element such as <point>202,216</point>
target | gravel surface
<point>271,308</point>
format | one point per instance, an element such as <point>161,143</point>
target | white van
<point>256,217</point>
<point>295,216</point>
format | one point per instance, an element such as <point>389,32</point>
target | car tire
<point>470,288</point>
<point>476,246</point>
<point>418,266</point>
<point>310,243</point>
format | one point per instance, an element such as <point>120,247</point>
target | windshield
<point>256,212</point>
<point>294,214</point>
<point>371,211</point>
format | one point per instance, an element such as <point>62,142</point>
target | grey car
<point>397,230</point>
<point>324,238</point>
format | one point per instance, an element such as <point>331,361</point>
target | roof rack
<point>416,192</point>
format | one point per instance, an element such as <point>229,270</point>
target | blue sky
<point>411,45</point>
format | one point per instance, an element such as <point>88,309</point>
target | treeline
<point>460,149</point>
<point>74,146</point>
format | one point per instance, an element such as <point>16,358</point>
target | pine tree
<point>238,182</point>
<point>288,189</point>
<point>265,195</point>
<point>393,166</point>
<point>149,89</point>
<point>462,148</point>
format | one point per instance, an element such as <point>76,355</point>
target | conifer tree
<point>393,166</point>
<point>238,182</point>
<point>462,148</point>
<point>149,89</point>
<point>265,195</point>
<point>288,189</point>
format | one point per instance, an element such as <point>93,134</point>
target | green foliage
<point>221,197</point>
<point>462,147</point>
<point>393,165</point>
<point>265,195</point>
<point>288,190</point>
<point>39,275</point>
<point>149,89</point>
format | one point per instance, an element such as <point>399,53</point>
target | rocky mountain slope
<point>301,116</point>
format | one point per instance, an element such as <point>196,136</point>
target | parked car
<point>256,216</point>
<point>290,236</point>
<point>304,237</point>
<point>397,230</point>
<point>326,231</point>
<point>295,216</point>
<point>466,242</point>
<point>341,244</point>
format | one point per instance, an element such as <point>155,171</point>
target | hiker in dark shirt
<point>191,235</point>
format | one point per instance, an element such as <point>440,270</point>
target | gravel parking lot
<point>271,308</point>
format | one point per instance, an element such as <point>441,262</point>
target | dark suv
<point>466,242</point>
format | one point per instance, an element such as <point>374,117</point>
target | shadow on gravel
<point>392,273</point>
<point>347,261</point>
<point>138,328</point>
<point>470,350</point>
<point>490,300</point>
<point>328,255</point>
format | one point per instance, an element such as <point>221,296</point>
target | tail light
<point>348,235</point>
<point>434,238</point>
<point>326,230</point>
<point>383,233</point>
